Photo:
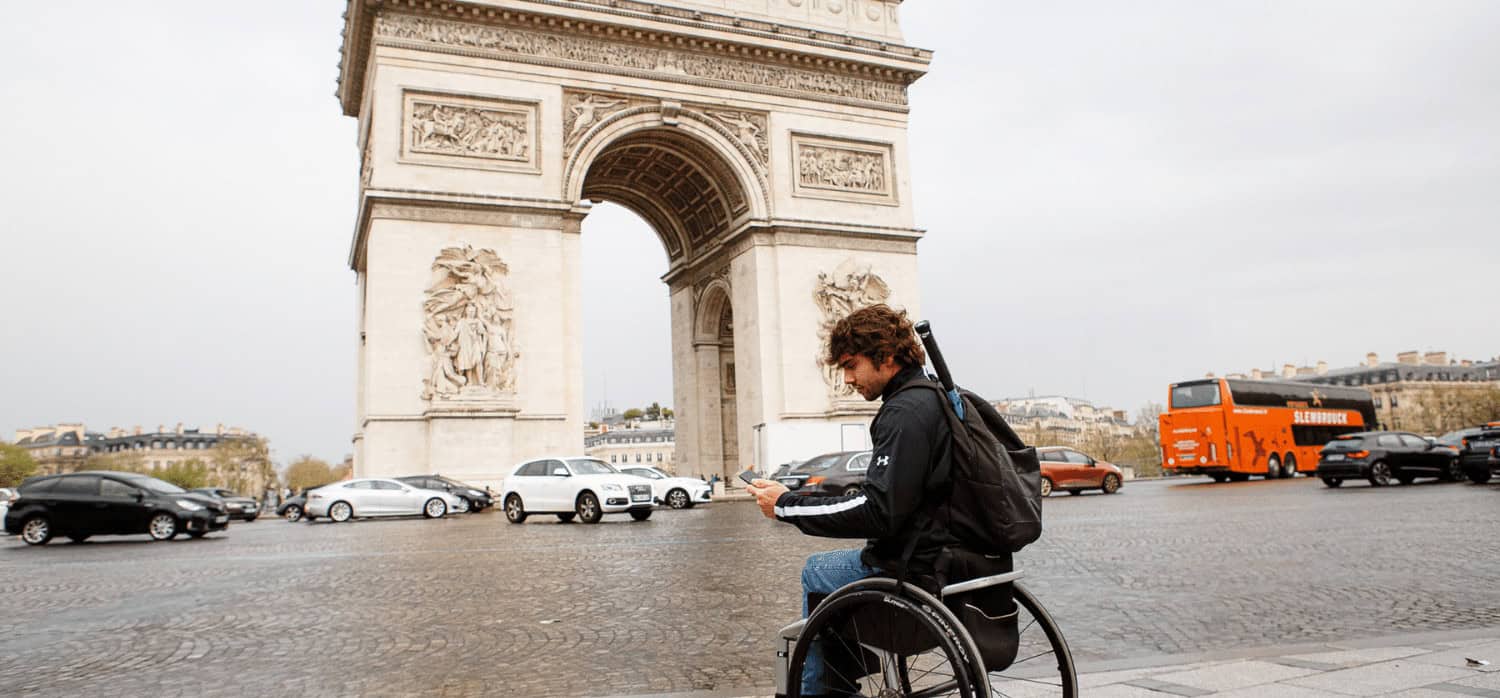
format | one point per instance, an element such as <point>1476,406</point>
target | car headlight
<point>613,488</point>
<point>189,505</point>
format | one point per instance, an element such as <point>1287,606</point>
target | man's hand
<point>766,493</point>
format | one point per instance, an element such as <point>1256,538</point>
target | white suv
<point>575,486</point>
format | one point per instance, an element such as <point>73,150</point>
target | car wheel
<point>640,514</point>
<point>163,526</point>
<point>515,512</point>
<point>1046,487</point>
<point>340,512</point>
<point>566,518</point>
<point>588,509</point>
<point>1273,467</point>
<point>1380,474</point>
<point>292,513</point>
<point>852,490</point>
<point>1479,475</point>
<point>435,508</point>
<point>1333,481</point>
<point>252,518</point>
<point>78,537</point>
<point>462,507</point>
<point>1111,483</point>
<point>678,499</point>
<point>1454,472</point>
<point>36,531</point>
<point>1290,467</point>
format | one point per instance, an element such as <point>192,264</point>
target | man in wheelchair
<point>902,512</point>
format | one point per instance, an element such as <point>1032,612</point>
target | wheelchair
<point>982,637</point>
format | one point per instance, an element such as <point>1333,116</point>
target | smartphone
<point>748,476</point>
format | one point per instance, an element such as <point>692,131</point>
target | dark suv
<point>477,499</point>
<point>1480,453</point>
<point>79,505</point>
<point>1381,456</point>
<point>829,474</point>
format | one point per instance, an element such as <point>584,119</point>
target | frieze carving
<point>366,166</point>
<point>583,110</point>
<point>487,133</point>
<point>851,286</point>
<point>616,55</point>
<point>847,170</point>
<point>469,327</point>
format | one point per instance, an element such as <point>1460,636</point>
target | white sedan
<point>376,496</point>
<point>586,488</point>
<point>676,492</point>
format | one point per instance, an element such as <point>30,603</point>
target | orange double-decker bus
<point>1230,429</point>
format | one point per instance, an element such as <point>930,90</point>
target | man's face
<point>865,377</point>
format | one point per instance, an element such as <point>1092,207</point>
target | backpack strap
<point>946,482</point>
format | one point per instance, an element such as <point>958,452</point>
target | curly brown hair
<point>876,332</point>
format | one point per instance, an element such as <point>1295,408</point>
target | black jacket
<point>911,459</point>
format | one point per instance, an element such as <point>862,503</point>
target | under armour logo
<point>883,460</point>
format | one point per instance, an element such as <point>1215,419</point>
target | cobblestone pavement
<point>690,600</point>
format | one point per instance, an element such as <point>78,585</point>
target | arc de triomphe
<point>763,140</point>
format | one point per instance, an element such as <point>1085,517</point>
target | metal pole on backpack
<point>924,332</point>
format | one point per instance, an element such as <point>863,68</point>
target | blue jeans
<point>824,573</point>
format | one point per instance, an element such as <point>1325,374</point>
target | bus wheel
<point>1273,467</point>
<point>1290,469</point>
<point>1221,478</point>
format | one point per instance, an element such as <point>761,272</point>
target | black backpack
<point>994,490</point>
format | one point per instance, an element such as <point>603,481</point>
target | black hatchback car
<point>1479,452</point>
<point>79,505</point>
<point>477,499</point>
<point>830,474</point>
<point>1382,456</point>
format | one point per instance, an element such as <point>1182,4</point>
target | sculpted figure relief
<point>468,327</point>
<point>851,286</point>
<point>586,110</point>
<point>749,129</point>
<point>455,130</point>
<point>836,168</point>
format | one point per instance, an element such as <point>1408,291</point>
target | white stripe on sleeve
<point>818,509</point>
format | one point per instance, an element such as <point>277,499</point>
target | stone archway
<point>766,147</point>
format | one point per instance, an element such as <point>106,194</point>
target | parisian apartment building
<point>65,447</point>
<point>636,442</point>
<point>1059,420</point>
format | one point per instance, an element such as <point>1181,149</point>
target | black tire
<point>78,537</point>
<point>1046,487</point>
<point>515,509</point>
<point>1075,491</point>
<point>1111,483</point>
<point>292,513</point>
<point>852,490</point>
<point>640,514</point>
<point>566,518</point>
<point>587,508</point>
<point>1220,478</point>
<point>252,518</point>
<point>1380,474</point>
<point>677,498</point>
<point>163,526</point>
<point>1333,481</point>
<point>340,511</point>
<point>1289,466</point>
<point>1454,472</point>
<point>475,507</point>
<point>1479,475</point>
<point>948,666</point>
<point>434,508</point>
<point>1273,467</point>
<point>37,530</point>
<point>1406,479</point>
<point>1044,664</point>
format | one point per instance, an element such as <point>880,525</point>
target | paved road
<point>690,600</point>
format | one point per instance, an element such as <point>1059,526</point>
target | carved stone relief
<point>851,286</point>
<point>843,170</point>
<point>366,167</point>
<point>469,131</point>
<point>469,327</point>
<point>617,56</point>
<point>749,128</point>
<point>582,110</point>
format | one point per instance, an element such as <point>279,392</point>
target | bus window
<point>1195,395</point>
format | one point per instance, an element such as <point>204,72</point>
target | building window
<point>658,457</point>
<point>1377,403</point>
<point>637,457</point>
<point>1393,401</point>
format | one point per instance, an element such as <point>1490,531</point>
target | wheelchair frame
<point>971,678</point>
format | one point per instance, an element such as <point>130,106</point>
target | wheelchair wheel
<point>878,643</point>
<point>1043,665</point>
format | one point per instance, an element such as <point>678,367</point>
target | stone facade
<point>1056,420</point>
<point>765,142</point>
<point>622,447</point>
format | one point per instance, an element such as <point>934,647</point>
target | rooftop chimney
<point>137,430</point>
<point>1288,370</point>
<point>1322,368</point>
<point>179,428</point>
<point>1412,358</point>
<point>1372,359</point>
<point>1436,358</point>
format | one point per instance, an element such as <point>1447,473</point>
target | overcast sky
<point>1117,196</point>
